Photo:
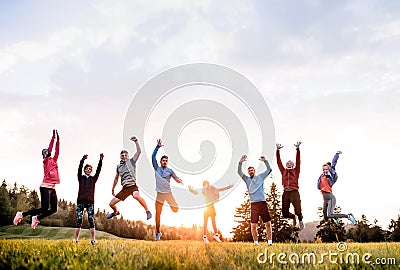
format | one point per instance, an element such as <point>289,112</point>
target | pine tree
<point>242,232</point>
<point>282,231</point>
<point>330,231</point>
<point>394,230</point>
<point>366,232</point>
<point>5,205</point>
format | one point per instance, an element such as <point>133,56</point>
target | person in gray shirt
<point>163,176</point>
<point>127,170</point>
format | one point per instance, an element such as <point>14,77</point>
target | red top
<point>325,184</point>
<point>50,166</point>
<point>290,177</point>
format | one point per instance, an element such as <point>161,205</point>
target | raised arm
<point>138,150</point>
<point>297,145</point>
<point>50,148</point>
<point>192,190</point>
<point>225,188</point>
<point>153,156</point>
<point>240,171</point>
<point>80,167</point>
<point>114,184</point>
<point>98,170</point>
<point>265,173</point>
<point>278,157</point>
<point>57,147</point>
<point>334,162</point>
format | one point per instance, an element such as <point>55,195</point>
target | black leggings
<point>48,197</point>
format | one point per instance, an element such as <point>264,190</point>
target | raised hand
<point>54,132</point>
<point>85,157</point>
<point>190,187</point>
<point>133,138</point>
<point>159,143</point>
<point>101,156</point>
<point>263,159</point>
<point>339,152</point>
<point>297,144</point>
<point>58,137</point>
<point>243,159</point>
<point>279,146</point>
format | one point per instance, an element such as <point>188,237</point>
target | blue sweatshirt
<point>255,185</point>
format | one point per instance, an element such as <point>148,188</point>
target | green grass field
<point>47,251</point>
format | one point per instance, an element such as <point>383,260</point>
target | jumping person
<point>127,170</point>
<point>290,183</point>
<point>87,184</point>
<point>211,195</point>
<point>48,195</point>
<point>163,176</point>
<point>325,182</point>
<point>258,204</point>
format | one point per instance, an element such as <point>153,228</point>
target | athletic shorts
<point>209,211</point>
<point>162,197</point>
<point>259,209</point>
<point>126,191</point>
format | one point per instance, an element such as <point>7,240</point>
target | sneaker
<point>269,242</point>
<point>352,219</point>
<point>93,242</point>
<point>205,239</point>
<point>149,215</point>
<point>301,225</point>
<point>158,236</point>
<point>255,243</point>
<point>337,220</point>
<point>216,237</point>
<point>18,218</point>
<point>35,222</point>
<point>76,241</point>
<point>111,215</point>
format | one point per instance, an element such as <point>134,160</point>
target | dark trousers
<point>291,197</point>
<point>48,197</point>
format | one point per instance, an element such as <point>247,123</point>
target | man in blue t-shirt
<point>258,204</point>
<point>163,176</point>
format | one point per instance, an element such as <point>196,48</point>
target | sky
<point>328,71</point>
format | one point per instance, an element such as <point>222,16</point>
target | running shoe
<point>301,225</point>
<point>352,219</point>
<point>35,222</point>
<point>93,242</point>
<point>216,237</point>
<point>111,215</point>
<point>205,239</point>
<point>149,215</point>
<point>158,236</point>
<point>18,218</point>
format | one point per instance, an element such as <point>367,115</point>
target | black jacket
<point>87,184</point>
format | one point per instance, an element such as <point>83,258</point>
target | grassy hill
<point>51,233</point>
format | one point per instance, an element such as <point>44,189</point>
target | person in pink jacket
<point>48,195</point>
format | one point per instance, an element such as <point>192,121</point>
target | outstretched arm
<point>297,145</point>
<point>80,167</point>
<point>225,188</point>
<point>240,171</point>
<point>138,150</point>
<point>57,147</point>
<point>153,156</point>
<point>98,170</point>
<point>334,161</point>
<point>176,178</point>
<point>268,170</point>
<point>192,190</point>
<point>278,157</point>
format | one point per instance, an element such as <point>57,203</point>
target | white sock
<point>269,242</point>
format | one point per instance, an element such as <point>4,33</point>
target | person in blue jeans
<point>87,185</point>
<point>325,183</point>
<point>163,176</point>
<point>258,204</point>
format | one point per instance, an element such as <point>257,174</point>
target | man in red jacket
<point>48,195</point>
<point>290,183</point>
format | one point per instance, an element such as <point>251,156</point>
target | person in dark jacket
<point>87,184</point>
<point>290,183</point>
